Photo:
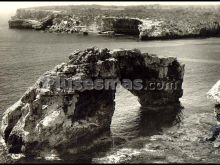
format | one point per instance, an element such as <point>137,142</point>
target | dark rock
<point>113,25</point>
<point>23,23</point>
<point>31,24</point>
<point>14,144</point>
<point>85,33</point>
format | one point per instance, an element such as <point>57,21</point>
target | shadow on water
<point>151,122</point>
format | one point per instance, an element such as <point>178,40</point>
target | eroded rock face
<point>127,26</point>
<point>147,28</point>
<point>52,118</point>
<point>32,19</point>
<point>214,93</point>
<point>158,29</point>
<point>23,23</point>
<point>31,24</point>
<point>48,20</point>
<point>161,77</point>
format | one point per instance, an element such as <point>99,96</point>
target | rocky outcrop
<point>214,93</point>
<point>127,26</point>
<point>31,24</point>
<point>148,29</point>
<point>65,23</point>
<point>53,22</point>
<point>59,114</point>
<point>158,29</point>
<point>33,19</point>
<point>41,24</point>
<point>23,23</point>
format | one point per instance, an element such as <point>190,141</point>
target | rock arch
<point>49,116</point>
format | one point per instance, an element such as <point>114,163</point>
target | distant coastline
<point>146,22</point>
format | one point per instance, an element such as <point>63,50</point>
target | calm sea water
<point>145,137</point>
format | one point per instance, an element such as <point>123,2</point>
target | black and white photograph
<point>113,82</point>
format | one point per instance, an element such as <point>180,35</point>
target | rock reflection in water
<point>153,121</point>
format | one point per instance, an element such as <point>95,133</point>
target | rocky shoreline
<point>214,95</point>
<point>143,28</point>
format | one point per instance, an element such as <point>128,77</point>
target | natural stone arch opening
<point>126,113</point>
<point>48,118</point>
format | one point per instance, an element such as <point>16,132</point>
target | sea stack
<point>50,117</point>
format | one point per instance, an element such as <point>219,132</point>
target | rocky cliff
<point>154,29</point>
<point>127,26</point>
<point>147,28</point>
<point>41,24</point>
<point>48,20</point>
<point>53,116</point>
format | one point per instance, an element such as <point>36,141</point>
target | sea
<point>137,136</point>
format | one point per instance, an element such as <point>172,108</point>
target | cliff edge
<point>144,25</point>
